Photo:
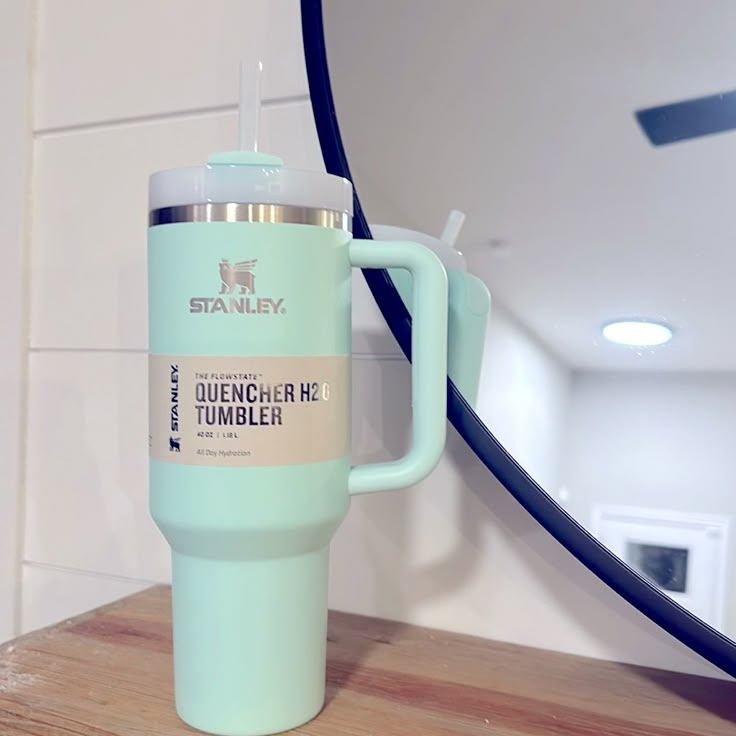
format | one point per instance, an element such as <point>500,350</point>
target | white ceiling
<point>520,113</point>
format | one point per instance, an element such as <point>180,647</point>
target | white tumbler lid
<point>248,177</point>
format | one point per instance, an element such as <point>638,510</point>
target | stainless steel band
<point>239,212</point>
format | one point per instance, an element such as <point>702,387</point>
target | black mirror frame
<point>673,618</point>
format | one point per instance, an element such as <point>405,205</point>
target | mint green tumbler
<point>249,267</point>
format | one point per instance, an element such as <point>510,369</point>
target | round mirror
<point>571,160</point>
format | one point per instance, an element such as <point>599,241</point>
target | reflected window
<point>666,567</point>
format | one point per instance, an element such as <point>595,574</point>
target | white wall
<point>654,441</point>
<point>131,97</point>
<point>16,37</point>
<point>524,396</point>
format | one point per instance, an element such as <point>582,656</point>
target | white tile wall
<point>123,89</point>
<point>101,60</point>
<point>87,473</point>
<point>53,594</point>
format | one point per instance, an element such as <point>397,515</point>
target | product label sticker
<point>248,412</point>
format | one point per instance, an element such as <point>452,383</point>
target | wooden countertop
<point>108,673</point>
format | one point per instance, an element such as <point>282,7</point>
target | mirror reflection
<point>590,148</point>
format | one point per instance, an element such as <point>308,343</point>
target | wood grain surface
<point>109,673</point>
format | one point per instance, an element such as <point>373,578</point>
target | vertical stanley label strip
<point>248,412</point>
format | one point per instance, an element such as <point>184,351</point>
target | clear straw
<point>452,227</point>
<point>249,105</point>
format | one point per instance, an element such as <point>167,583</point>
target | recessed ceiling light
<point>637,333</point>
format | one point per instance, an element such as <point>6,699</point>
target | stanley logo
<point>238,280</point>
<point>240,274</point>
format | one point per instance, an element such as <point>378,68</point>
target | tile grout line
<point>49,567</point>
<point>177,115</point>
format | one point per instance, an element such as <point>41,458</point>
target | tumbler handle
<point>428,368</point>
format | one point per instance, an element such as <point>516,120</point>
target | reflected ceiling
<point>573,218</point>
